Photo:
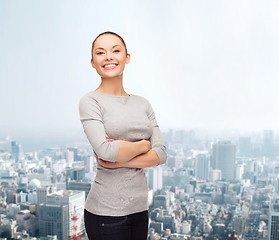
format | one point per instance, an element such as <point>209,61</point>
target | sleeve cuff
<point>162,154</point>
<point>114,151</point>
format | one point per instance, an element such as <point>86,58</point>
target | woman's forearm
<point>145,160</point>
<point>129,150</point>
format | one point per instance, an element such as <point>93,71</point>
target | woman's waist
<point>120,175</point>
<point>119,189</point>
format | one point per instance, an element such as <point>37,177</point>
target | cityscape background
<point>210,71</point>
<point>210,188</point>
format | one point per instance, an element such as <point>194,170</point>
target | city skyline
<point>200,64</point>
<point>208,189</point>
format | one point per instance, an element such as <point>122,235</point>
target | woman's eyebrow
<point>104,49</point>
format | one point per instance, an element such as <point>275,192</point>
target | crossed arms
<point>120,153</point>
<point>144,156</point>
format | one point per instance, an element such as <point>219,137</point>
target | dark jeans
<point>130,227</point>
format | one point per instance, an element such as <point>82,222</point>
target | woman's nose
<point>109,56</point>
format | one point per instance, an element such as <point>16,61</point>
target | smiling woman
<point>125,137</point>
<point>107,57</point>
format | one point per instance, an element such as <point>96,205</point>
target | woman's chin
<point>111,75</point>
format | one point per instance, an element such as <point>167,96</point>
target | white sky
<point>201,64</point>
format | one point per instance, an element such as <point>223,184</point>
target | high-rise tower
<point>223,158</point>
<point>273,221</point>
<point>57,214</point>
<point>15,150</point>
<point>155,178</point>
<point>202,166</point>
<point>268,143</point>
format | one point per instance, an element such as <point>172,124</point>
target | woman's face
<point>109,56</point>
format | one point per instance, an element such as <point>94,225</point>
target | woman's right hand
<point>147,145</point>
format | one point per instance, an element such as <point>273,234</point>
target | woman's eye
<point>99,53</point>
<point>116,51</point>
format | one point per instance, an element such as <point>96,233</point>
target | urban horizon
<point>39,140</point>
<point>225,176</point>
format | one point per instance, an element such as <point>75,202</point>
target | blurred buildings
<point>213,186</point>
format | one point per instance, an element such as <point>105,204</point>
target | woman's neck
<point>112,86</point>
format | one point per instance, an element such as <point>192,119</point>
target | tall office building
<point>69,156</point>
<point>88,164</point>
<point>239,171</point>
<point>75,202</point>
<point>202,166</point>
<point>276,185</point>
<point>155,178</point>
<point>223,158</point>
<point>268,143</point>
<point>15,150</point>
<point>273,221</point>
<point>54,220</point>
<point>75,151</point>
<point>238,224</point>
<point>42,193</point>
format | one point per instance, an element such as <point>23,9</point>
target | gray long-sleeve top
<point>119,191</point>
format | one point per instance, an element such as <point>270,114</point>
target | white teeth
<point>110,65</point>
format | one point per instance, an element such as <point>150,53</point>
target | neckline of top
<point>112,95</point>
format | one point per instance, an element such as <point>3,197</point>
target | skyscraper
<point>75,202</point>
<point>273,221</point>
<point>223,158</point>
<point>202,166</point>
<point>155,178</point>
<point>88,164</point>
<point>54,220</point>
<point>15,150</point>
<point>75,151</point>
<point>42,193</point>
<point>268,143</point>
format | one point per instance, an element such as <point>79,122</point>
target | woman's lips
<point>110,66</point>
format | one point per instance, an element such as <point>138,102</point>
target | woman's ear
<point>92,63</point>
<point>128,58</point>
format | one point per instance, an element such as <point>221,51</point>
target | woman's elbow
<point>162,154</point>
<point>163,158</point>
<point>107,151</point>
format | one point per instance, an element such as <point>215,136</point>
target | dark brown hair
<point>108,32</point>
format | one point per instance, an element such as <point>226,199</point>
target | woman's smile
<point>110,66</point>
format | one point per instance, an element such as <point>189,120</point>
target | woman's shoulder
<point>89,98</point>
<point>92,95</point>
<point>140,98</point>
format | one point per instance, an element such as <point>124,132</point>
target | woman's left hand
<point>108,164</point>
